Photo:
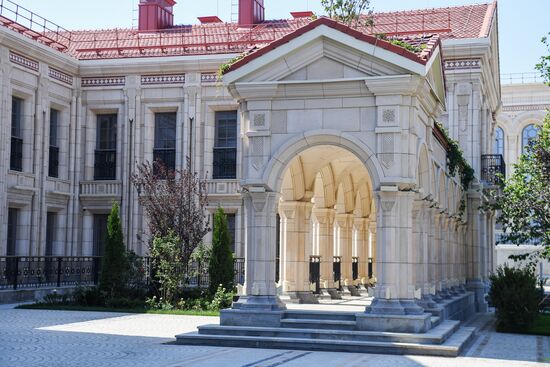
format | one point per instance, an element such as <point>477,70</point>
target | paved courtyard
<point>60,338</point>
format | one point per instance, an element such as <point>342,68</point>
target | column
<point>325,218</point>
<point>260,250</point>
<point>360,226</point>
<point>436,255</point>
<point>394,292</point>
<point>295,250</point>
<point>475,237</point>
<point>372,250</point>
<point>344,224</point>
<point>423,268</point>
<point>443,262</point>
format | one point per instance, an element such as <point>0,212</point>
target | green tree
<point>524,202</point>
<point>220,266</point>
<point>115,262</point>
<point>166,258</point>
<point>348,12</point>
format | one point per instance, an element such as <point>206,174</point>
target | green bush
<point>222,299</point>
<point>165,252</point>
<point>220,266</point>
<point>515,296</point>
<point>88,297</point>
<point>114,267</point>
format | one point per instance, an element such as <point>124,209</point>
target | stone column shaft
<point>343,223</point>
<point>325,218</point>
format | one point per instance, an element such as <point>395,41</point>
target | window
<point>499,141</point>
<point>165,139</point>
<point>529,133</point>
<point>100,233</point>
<point>105,153</point>
<point>50,233</point>
<point>53,165</point>
<point>225,146</point>
<point>11,247</point>
<point>16,150</point>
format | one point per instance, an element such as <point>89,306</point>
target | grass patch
<point>60,307</point>
<point>540,327</point>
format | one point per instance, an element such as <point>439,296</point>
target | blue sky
<point>521,23</point>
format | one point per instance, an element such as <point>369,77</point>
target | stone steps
<point>318,324</point>
<point>437,335</point>
<point>320,315</point>
<point>450,348</point>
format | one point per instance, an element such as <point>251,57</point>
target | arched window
<point>529,133</point>
<point>499,141</point>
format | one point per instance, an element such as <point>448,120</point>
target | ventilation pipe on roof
<point>251,12</point>
<point>156,14</point>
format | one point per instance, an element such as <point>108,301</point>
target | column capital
<point>343,220</point>
<point>361,223</point>
<point>324,215</point>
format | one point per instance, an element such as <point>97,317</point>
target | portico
<point>338,140</point>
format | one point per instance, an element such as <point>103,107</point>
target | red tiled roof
<point>421,56</point>
<point>471,21</point>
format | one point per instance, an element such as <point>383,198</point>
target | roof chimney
<point>251,12</point>
<point>155,14</point>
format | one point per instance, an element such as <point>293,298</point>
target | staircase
<point>334,331</point>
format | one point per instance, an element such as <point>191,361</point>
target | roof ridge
<point>429,9</point>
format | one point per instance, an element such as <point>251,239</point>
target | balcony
<point>105,165</point>
<point>493,169</point>
<point>100,188</point>
<point>222,187</point>
<point>16,154</point>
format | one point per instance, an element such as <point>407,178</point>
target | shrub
<point>115,264</point>
<point>515,296</point>
<point>220,266</point>
<point>222,299</point>
<point>88,297</point>
<point>165,254</point>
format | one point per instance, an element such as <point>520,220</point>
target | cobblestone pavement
<point>63,338</point>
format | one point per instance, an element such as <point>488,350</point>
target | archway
<point>326,215</point>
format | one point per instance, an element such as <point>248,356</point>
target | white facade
<point>336,134</point>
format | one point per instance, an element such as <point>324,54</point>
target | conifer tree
<point>115,262</point>
<point>220,267</point>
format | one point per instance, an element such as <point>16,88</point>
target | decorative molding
<point>519,108</point>
<point>462,64</point>
<point>162,79</point>
<point>60,76</point>
<point>388,149</point>
<point>24,61</point>
<point>111,81</point>
<point>209,78</point>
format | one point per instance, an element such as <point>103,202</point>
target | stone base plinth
<point>394,323</point>
<point>479,289</point>
<point>248,317</point>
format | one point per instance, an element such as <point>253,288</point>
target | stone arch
<point>423,171</point>
<point>324,188</point>
<point>274,171</point>
<point>293,186</point>
<point>363,201</point>
<point>345,199</point>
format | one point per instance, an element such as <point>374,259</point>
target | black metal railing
<point>53,164</point>
<point>16,154</point>
<point>493,168</point>
<point>165,156</point>
<point>105,165</point>
<point>56,271</point>
<point>225,163</point>
<point>337,270</point>
<point>315,272</point>
<point>47,271</point>
<point>355,268</point>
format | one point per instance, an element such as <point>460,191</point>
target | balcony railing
<point>165,156</point>
<point>493,168</point>
<point>225,163</point>
<point>53,164</point>
<point>16,154</point>
<point>105,165</point>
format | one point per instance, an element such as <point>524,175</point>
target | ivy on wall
<point>224,68</point>
<point>456,162</point>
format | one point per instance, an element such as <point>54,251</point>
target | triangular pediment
<point>325,52</point>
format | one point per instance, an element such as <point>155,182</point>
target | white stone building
<point>326,127</point>
<point>525,103</point>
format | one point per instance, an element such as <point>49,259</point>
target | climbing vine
<point>456,161</point>
<point>406,45</point>
<point>224,68</point>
